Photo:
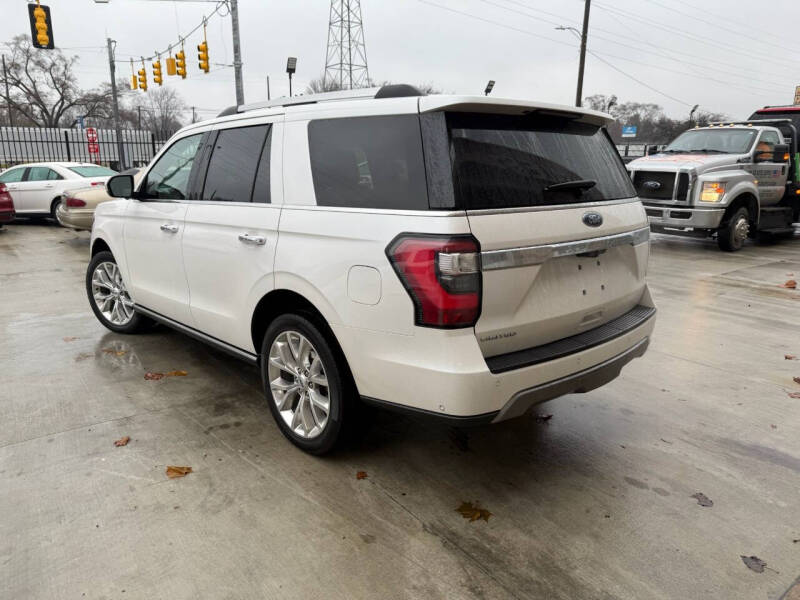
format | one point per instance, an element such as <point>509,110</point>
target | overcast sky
<point>725,55</point>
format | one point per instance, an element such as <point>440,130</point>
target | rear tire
<point>109,298</point>
<point>732,235</point>
<point>306,382</point>
<point>54,211</point>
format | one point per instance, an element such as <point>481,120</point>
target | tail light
<point>94,183</point>
<point>75,202</point>
<point>442,274</point>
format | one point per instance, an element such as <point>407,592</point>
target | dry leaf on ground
<point>153,376</point>
<point>473,512</point>
<point>115,352</point>
<point>361,475</point>
<point>795,395</point>
<point>754,563</point>
<point>173,472</point>
<point>790,285</point>
<point>70,339</point>
<point>702,499</point>
<point>177,374</point>
<point>789,357</point>
<point>796,379</point>
<point>122,441</point>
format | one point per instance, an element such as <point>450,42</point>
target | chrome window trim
<point>493,260</point>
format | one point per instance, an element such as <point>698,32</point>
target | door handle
<point>48,185</point>
<point>169,228</point>
<point>256,240</point>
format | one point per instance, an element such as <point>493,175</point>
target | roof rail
<point>387,91</point>
<point>751,122</point>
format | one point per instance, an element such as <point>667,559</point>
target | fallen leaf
<point>543,418</point>
<point>795,395</point>
<point>115,352</point>
<point>473,513</point>
<point>789,357</point>
<point>70,339</point>
<point>754,563</point>
<point>796,379</point>
<point>153,376</point>
<point>173,472</point>
<point>790,285</point>
<point>83,356</point>
<point>702,499</point>
<point>177,374</point>
<point>122,441</point>
<point>774,426</point>
<point>361,475</point>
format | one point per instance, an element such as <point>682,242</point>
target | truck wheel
<point>731,236</point>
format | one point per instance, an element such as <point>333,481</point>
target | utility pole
<point>139,110</point>
<point>194,115</point>
<point>115,104</point>
<point>8,96</point>
<point>268,94</point>
<point>582,64</point>
<point>237,52</point>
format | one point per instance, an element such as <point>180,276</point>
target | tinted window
<point>42,174</point>
<point>12,176</point>
<point>368,162</point>
<point>92,171</point>
<point>508,161</point>
<point>261,190</point>
<point>233,164</point>
<point>169,177</point>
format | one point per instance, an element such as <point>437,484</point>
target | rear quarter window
<point>368,162</point>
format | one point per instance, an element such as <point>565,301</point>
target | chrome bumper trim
<point>492,260</point>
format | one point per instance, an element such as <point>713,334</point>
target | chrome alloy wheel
<point>110,294</point>
<point>299,385</point>
<point>741,230</point>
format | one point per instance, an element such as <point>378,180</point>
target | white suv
<point>455,256</point>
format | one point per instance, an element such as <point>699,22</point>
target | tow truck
<point>730,180</point>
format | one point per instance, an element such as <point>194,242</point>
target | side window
<point>766,145</point>
<point>12,176</point>
<point>368,162</point>
<point>169,177</point>
<point>233,165</point>
<point>42,174</point>
<point>261,189</point>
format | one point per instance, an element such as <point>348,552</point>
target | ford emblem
<point>652,185</point>
<point>593,219</point>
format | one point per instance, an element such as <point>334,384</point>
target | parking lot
<point>594,502</point>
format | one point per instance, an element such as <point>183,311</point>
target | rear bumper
<point>76,219</point>
<point>451,379</point>
<point>7,216</point>
<point>683,217</point>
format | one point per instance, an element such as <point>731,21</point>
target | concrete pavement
<point>594,503</point>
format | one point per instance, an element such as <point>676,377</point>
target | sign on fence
<point>91,140</point>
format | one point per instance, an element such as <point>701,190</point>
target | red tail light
<point>442,275</point>
<point>75,202</point>
<point>94,183</point>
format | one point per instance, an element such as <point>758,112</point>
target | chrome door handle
<point>169,228</point>
<point>256,240</point>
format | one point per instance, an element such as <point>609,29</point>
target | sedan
<point>76,210</point>
<point>37,188</point>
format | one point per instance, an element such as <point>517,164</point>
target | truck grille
<point>654,184</point>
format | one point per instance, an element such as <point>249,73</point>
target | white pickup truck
<point>731,180</point>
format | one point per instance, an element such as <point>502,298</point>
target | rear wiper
<point>577,185</point>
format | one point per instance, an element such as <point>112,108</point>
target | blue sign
<point>629,131</point>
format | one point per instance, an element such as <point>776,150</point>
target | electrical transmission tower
<point>346,60</point>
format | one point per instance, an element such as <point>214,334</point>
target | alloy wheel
<point>110,294</point>
<point>741,230</point>
<point>299,384</point>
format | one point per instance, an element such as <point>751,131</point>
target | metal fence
<point>31,144</point>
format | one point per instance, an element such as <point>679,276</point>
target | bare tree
<point>320,85</point>
<point>161,109</point>
<point>43,88</point>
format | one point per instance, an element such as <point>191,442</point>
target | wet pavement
<point>659,485</point>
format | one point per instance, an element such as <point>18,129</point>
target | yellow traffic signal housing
<point>202,56</point>
<point>171,66</point>
<point>134,82</point>
<point>143,79</point>
<point>41,26</point>
<point>157,77</point>
<point>180,64</point>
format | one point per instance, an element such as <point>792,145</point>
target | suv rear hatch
<point>562,235</point>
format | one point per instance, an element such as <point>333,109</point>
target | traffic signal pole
<point>237,52</point>
<point>582,64</point>
<point>115,105</point>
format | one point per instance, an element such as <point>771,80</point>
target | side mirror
<point>781,153</point>
<point>120,186</point>
<point>652,150</point>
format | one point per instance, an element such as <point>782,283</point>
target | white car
<point>454,256</point>
<point>37,187</point>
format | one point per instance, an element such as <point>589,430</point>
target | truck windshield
<point>712,141</point>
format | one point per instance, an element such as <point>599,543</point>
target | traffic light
<point>202,56</point>
<point>143,79</point>
<point>134,80</point>
<point>180,63</point>
<point>171,66</point>
<point>41,26</point>
<point>157,77</point>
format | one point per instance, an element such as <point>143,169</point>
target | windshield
<point>509,161</point>
<point>92,171</point>
<point>708,141</point>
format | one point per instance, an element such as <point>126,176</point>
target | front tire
<point>732,235</point>
<point>109,297</point>
<point>305,383</point>
<point>54,211</point>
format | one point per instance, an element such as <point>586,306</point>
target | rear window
<point>368,162</point>
<point>518,161</point>
<point>92,171</point>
